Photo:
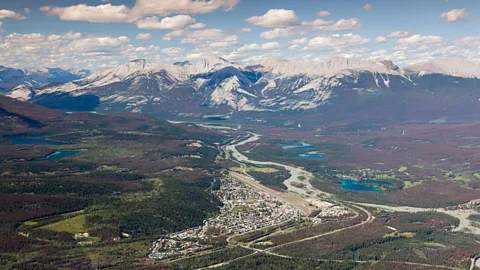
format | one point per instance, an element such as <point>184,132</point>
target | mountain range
<point>332,90</point>
<point>36,77</point>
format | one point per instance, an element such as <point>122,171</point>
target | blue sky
<point>95,34</point>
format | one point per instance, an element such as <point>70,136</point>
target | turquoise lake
<point>31,139</point>
<point>311,155</point>
<point>300,146</point>
<point>61,154</point>
<point>353,185</point>
<point>37,139</point>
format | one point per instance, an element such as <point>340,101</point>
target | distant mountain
<point>36,77</point>
<point>453,66</point>
<point>82,73</point>
<point>337,89</point>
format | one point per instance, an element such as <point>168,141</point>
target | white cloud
<point>295,47</point>
<point>299,41</point>
<point>167,7</point>
<point>256,47</point>
<point>335,41</point>
<point>245,30</point>
<point>45,8</point>
<point>214,38</point>
<point>283,32</point>
<point>317,25</point>
<point>121,13</point>
<point>419,40</point>
<point>367,7</point>
<point>198,25</point>
<point>173,51</point>
<point>173,34</point>
<point>27,10</point>
<point>8,14</point>
<point>275,18</point>
<point>144,36</point>
<point>455,15</point>
<point>381,39</point>
<point>98,43</point>
<point>472,41</point>
<point>82,12</point>
<point>66,50</point>
<point>398,34</point>
<point>324,13</point>
<point>345,25</point>
<point>176,22</point>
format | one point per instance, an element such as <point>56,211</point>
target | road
<point>460,214</point>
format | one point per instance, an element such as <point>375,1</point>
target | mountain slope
<point>36,77</point>
<point>338,88</point>
<point>454,66</point>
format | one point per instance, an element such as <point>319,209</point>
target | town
<point>244,209</point>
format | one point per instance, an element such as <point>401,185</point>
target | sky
<point>96,34</point>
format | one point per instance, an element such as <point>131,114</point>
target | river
<point>309,190</point>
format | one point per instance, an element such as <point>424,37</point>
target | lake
<point>311,155</point>
<point>353,185</point>
<point>38,139</point>
<point>31,139</point>
<point>299,145</point>
<point>57,155</point>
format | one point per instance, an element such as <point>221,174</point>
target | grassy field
<point>409,184</point>
<point>72,225</point>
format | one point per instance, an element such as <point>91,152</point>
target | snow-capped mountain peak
<point>327,68</point>
<point>452,66</point>
<point>119,73</point>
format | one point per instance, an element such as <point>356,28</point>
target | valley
<point>240,176</point>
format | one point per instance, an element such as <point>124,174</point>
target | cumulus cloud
<point>82,12</point>
<point>198,25</point>
<point>8,14</point>
<point>244,30</point>
<point>283,32</point>
<point>142,8</point>
<point>173,51</point>
<point>324,13</point>
<point>256,47</point>
<point>472,41</point>
<point>144,36</point>
<point>27,10</point>
<point>398,34</point>
<point>419,40</point>
<point>317,25</point>
<point>167,7</point>
<point>335,41</point>
<point>455,15</point>
<point>344,25</point>
<point>214,38</point>
<point>299,41</point>
<point>173,34</point>
<point>45,8</point>
<point>176,22</point>
<point>367,7</point>
<point>98,43</point>
<point>275,18</point>
<point>381,39</point>
<point>66,50</point>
